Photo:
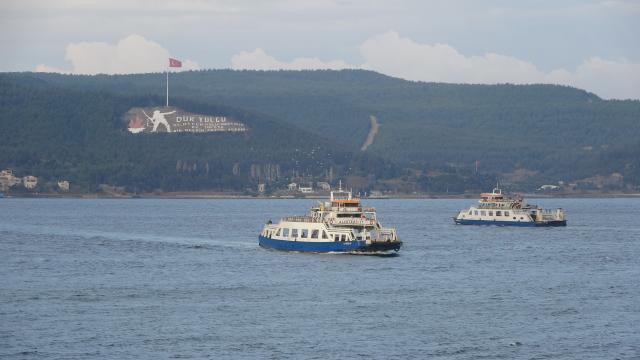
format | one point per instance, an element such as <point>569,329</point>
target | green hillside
<point>550,132</point>
<point>81,136</point>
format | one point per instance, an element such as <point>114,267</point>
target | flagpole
<point>167,87</point>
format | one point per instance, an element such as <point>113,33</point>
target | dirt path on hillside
<point>372,133</point>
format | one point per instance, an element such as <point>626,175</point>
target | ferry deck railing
<point>305,219</point>
<point>352,221</point>
<point>551,214</point>
<point>385,235</point>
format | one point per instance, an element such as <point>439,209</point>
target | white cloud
<point>133,54</point>
<point>625,5</point>
<point>607,78</point>
<point>387,53</point>
<point>393,55</point>
<point>259,60</point>
<point>50,69</point>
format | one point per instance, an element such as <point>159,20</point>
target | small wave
<point>103,237</point>
<point>567,311</point>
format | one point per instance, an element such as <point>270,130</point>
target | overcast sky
<point>589,44</point>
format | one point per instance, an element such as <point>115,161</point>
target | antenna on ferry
<point>340,185</point>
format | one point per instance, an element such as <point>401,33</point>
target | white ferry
<point>496,209</point>
<point>340,225</point>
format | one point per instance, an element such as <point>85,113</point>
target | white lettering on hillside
<point>177,120</point>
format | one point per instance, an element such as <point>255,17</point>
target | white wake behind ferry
<point>339,225</point>
<point>496,209</point>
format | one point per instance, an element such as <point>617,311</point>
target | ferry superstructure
<point>496,209</point>
<point>339,225</point>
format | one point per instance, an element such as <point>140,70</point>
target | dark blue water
<point>149,279</point>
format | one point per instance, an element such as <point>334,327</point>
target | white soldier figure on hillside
<point>158,118</point>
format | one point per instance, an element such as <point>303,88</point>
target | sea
<point>186,279</point>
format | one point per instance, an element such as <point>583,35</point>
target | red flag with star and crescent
<point>175,63</point>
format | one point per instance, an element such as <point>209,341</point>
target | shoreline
<point>223,196</point>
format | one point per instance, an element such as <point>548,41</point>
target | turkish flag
<point>175,63</point>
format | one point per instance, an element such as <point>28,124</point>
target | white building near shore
<point>63,185</point>
<point>30,182</point>
<point>7,179</point>
<point>306,189</point>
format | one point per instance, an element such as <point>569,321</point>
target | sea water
<point>151,279</point>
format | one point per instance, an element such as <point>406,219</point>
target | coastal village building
<point>306,189</point>
<point>7,179</point>
<point>376,194</point>
<point>30,182</point>
<point>323,186</point>
<point>63,185</point>
<point>292,187</point>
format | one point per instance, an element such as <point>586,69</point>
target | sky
<point>588,44</point>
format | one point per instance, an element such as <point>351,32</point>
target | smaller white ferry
<point>340,225</point>
<point>496,209</point>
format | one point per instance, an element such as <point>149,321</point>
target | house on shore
<point>30,182</point>
<point>306,189</point>
<point>63,185</point>
<point>7,179</point>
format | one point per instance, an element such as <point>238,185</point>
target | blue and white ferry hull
<point>340,225</point>
<point>496,209</point>
<point>510,223</point>
<point>355,246</point>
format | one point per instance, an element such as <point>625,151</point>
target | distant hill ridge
<point>554,132</point>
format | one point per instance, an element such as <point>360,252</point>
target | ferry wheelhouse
<point>496,209</point>
<point>339,225</point>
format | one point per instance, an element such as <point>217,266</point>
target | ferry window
<point>324,235</point>
<point>294,233</point>
<point>498,213</point>
<point>285,232</point>
<point>470,212</point>
<point>314,234</point>
<point>304,233</point>
<point>483,213</point>
<point>506,213</point>
<point>475,212</point>
<point>337,237</point>
<point>278,232</point>
<point>490,213</point>
<point>344,238</point>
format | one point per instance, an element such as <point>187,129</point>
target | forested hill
<point>81,136</point>
<point>529,134</point>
